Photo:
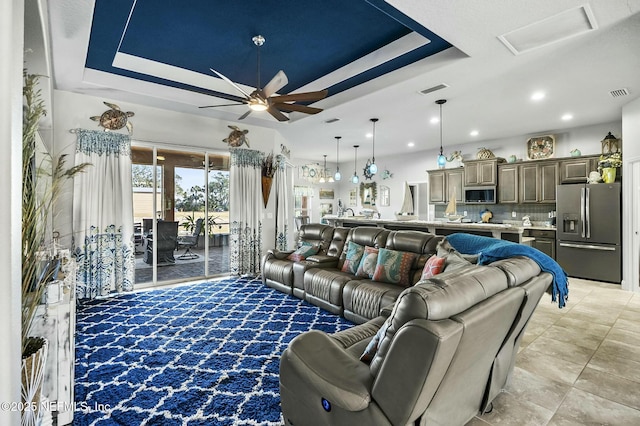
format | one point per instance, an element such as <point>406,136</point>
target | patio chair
<point>190,241</point>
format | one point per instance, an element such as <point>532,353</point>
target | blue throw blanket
<point>491,249</point>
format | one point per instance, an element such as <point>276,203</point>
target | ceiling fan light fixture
<point>442,160</point>
<point>258,105</point>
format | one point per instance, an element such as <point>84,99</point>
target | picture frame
<point>326,194</point>
<point>353,197</point>
<point>385,196</point>
<point>540,147</point>
<point>326,208</point>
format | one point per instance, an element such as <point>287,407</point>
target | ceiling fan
<point>264,99</point>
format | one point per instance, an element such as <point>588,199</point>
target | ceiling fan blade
<point>222,105</point>
<point>306,96</point>
<point>245,115</point>
<point>277,114</point>
<point>296,107</point>
<point>238,88</point>
<point>277,82</point>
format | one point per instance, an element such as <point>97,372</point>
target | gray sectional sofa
<point>319,278</point>
<point>437,350</point>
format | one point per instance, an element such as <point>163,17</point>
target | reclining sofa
<point>320,279</point>
<point>439,356</point>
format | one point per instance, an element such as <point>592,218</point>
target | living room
<point>158,123</point>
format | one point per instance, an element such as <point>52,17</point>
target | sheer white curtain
<point>103,214</point>
<point>245,185</point>
<point>284,194</point>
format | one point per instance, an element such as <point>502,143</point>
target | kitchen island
<point>503,231</point>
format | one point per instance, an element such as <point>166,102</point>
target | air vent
<point>618,93</point>
<point>331,120</point>
<point>434,88</point>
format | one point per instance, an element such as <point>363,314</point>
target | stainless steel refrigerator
<point>589,231</point>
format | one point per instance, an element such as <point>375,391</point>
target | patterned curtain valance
<point>99,142</point>
<point>246,158</point>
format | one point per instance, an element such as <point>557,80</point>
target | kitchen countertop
<point>496,229</point>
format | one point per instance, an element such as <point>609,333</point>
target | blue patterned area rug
<point>197,354</point>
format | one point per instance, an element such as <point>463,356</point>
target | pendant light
<point>442,160</point>
<point>371,165</point>
<point>337,176</point>
<point>355,179</point>
<point>324,170</point>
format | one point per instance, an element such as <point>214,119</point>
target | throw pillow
<point>353,257</point>
<point>368,262</point>
<point>453,258</point>
<point>434,266</point>
<point>303,252</point>
<point>394,266</point>
<point>372,347</point>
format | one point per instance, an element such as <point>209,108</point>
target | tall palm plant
<point>37,206</point>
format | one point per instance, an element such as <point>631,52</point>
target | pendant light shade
<point>355,179</point>
<point>337,176</point>
<point>442,160</point>
<point>373,168</point>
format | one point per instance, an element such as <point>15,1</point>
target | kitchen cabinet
<point>545,240</point>
<point>481,172</point>
<point>442,182</point>
<point>528,182</point>
<point>538,182</point>
<point>577,169</point>
<point>508,184</point>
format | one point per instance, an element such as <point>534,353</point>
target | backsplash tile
<point>502,212</point>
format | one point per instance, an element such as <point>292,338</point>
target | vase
<point>34,360</point>
<point>609,174</point>
<point>266,189</point>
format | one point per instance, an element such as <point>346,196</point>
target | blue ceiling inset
<point>305,38</point>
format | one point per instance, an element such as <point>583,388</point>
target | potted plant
<point>39,265</point>
<point>608,165</point>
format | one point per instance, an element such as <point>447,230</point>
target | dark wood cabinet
<point>508,184</point>
<point>442,183</point>
<point>545,240</point>
<point>481,172</point>
<point>577,169</point>
<point>528,182</point>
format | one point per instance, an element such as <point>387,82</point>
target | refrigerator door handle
<point>582,212</point>
<point>587,208</point>
<point>587,246</point>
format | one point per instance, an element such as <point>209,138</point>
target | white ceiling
<point>489,87</point>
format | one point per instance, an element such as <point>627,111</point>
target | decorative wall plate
<point>541,147</point>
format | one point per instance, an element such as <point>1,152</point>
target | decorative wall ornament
<point>368,194</point>
<point>114,118</point>
<point>310,172</point>
<point>237,137</point>
<point>540,147</point>
<point>283,150</point>
<point>386,174</point>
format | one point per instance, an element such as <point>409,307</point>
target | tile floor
<point>579,365</point>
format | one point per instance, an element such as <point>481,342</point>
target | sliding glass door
<point>181,214</point>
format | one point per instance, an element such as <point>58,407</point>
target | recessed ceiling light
<point>567,117</point>
<point>411,144</point>
<point>474,133</point>
<point>537,96</point>
<point>435,120</point>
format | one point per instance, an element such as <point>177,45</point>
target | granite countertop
<point>508,226</point>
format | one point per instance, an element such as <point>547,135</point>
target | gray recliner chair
<point>434,358</point>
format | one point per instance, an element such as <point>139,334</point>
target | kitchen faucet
<point>349,209</point>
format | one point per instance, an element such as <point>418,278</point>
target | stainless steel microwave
<point>480,194</point>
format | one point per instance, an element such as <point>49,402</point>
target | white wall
<point>11,52</point>
<point>150,126</point>
<point>631,196</point>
